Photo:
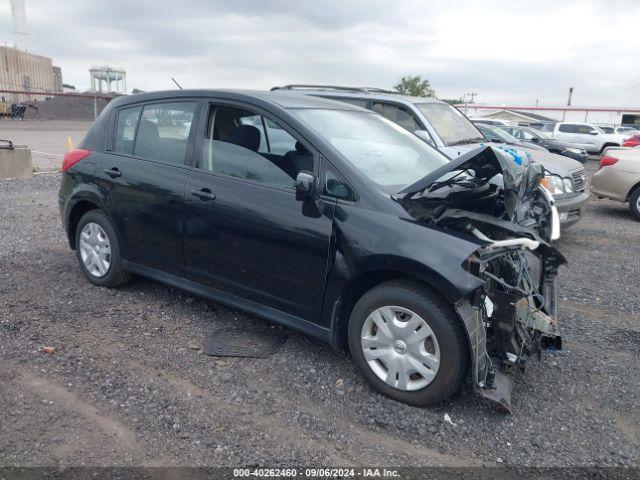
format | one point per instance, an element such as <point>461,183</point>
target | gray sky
<point>506,51</point>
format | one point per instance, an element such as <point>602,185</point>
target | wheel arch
<point>77,211</point>
<point>364,282</point>
<point>607,145</point>
<point>631,190</point>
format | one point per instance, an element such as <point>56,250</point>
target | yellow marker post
<point>69,144</point>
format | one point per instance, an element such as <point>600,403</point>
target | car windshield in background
<point>450,125</point>
<point>503,134</point>
<point>383,151</point>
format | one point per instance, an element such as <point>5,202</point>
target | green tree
<point>414,85</point>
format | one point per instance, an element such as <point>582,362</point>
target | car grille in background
<point>579,180</point>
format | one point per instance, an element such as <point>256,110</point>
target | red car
<point>632,141</point>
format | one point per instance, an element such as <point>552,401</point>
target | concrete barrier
<point>15,162</point>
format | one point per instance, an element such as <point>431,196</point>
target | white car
<point>586,136</point>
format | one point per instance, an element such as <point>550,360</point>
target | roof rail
<point>302,86</point>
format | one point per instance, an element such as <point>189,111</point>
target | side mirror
<point>593,132</point>
<point>306,186</point>
<point>535,139</point>
<point>424,135</point>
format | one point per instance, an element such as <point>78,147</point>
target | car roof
<point>283,99</point>
<point>360,93</point>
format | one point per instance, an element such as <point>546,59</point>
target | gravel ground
<point>128,385</point>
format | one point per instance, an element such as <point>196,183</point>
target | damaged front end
<point>494,198</point>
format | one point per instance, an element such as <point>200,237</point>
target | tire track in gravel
<point>282,428</point>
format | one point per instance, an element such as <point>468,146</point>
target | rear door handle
<point>205,194</point>
<point>113,172</point>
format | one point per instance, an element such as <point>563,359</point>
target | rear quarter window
<point>126,124</point>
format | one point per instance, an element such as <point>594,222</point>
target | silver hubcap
<point>95,250</point>
<point>400,348</point>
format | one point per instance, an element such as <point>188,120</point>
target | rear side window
<point>126,128</point>
<point>163,131</point>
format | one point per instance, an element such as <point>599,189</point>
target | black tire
<point>634,198</point>
<point>443,321</point>
<point>116,275</point>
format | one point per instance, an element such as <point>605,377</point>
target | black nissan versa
<point>329,219</point>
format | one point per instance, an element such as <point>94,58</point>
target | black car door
<point>143,178</point>
<point>245,233</point>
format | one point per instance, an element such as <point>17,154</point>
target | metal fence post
<point>95,107</point>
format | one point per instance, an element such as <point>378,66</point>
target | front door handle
<point>113,172</point>
<point>205,194</point>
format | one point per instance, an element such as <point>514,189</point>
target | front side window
<point>380,149</point>
<point>450,125</point>
<point>243,144</point>
<point>586,129</point>
<point>163,131</point>
<point>126,124</point>
<point>397,114</point>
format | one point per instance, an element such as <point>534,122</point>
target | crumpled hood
<point>552,162</point>
<point>486,162</point>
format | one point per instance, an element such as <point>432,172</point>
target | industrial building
<point>531,114</point>
<point>27,72</point>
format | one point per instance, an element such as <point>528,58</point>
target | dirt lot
<point>128,385</point>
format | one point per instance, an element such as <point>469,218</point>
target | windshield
<point>600,129</point>
<point>380,149</point>
<point>450,125</point>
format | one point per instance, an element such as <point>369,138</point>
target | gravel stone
<point>127,387</point>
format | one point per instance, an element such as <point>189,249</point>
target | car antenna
<point>174,81</point>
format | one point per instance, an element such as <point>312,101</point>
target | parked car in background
<point>619,177</point>
<point>492,121</point>
<point>501,135</point>
<point>586,136</point>
<point>632,141</point>
<point>545,128</point>
<point>447,129</point>
<point>360,235</point>
<point>626,130</point>
<point>565,177</point>
<point>532,136</point>
<point>606,129</point>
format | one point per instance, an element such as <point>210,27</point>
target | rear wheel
<point>98,251</point>
<point>409,343</point>
<point>634,203</point>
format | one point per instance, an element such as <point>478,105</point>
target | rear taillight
<point>606,160</point>
<point>74,156</point>
<point>631,142</point>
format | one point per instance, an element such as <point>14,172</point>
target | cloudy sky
<point>505,51</point>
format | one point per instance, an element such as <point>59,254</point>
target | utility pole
<point>472,95</point>
<point>570,95</point>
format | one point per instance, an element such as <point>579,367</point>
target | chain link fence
<point>48,124</point>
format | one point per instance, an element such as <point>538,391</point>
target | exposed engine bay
<point>493,197</point>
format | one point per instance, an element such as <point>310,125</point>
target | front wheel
<point>634,203</point>
<point>98,251</point>
<point>409,343</point>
